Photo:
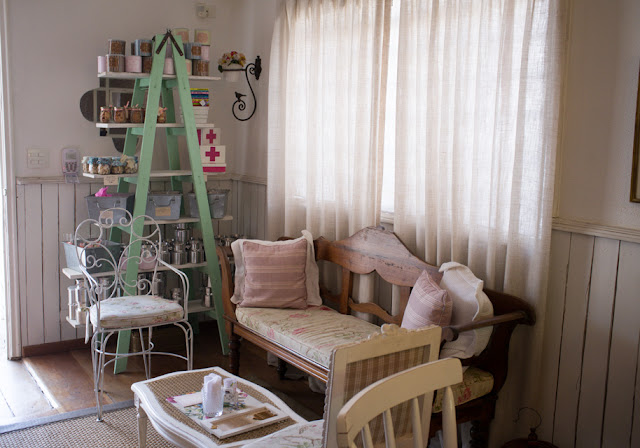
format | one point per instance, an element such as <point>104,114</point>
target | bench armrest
<point>451,332</point>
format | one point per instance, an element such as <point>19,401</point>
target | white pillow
<point>470,304</point>
<point>311,269</point>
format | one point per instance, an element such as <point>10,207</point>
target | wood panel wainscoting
<point>592,372</point>
<point>48,208</point>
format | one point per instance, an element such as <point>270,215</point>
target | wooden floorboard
<point>67,376</point>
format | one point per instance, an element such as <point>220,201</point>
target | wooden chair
<point>353,368</point>
<point>379,400</point>
<point>121,304</point>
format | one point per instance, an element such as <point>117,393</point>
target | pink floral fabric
<point>475,383</point>
<point>135,311</point>
<point>312,333</point>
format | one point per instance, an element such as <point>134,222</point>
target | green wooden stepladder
<point>157,86</point>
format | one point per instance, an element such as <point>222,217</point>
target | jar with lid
<point>105,114</point>
<point>117,167</point>
<point>162,115</point>
<point>136,115</point>
<point>119,115</point>
<point>92,163</point>
<point>130,165</point>
<point>104,165</point>
<point>85,164</point>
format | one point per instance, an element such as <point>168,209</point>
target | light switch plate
<point>37,158</point>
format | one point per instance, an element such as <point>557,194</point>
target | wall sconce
<point>254,68</point>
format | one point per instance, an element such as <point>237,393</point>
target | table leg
<point>142,424</point>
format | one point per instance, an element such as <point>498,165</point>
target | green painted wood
<point>200,190</point>
<point>155,88</point>
<point>144,175</point>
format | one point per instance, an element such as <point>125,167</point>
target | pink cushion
<point>275,275</point>
<point>428,304</point>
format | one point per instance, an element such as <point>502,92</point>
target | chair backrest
<point>414,387</point>
<point>356,366</point>
<point>97,255</point>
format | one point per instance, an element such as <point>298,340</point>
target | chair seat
<point>475,383</point>
<point>135,311</point>
<point>307,435</point>
<point>313,332</point>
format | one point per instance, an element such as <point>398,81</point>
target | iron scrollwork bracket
<point>254,68</point>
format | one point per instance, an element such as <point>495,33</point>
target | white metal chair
<point>414,386</point>
<point>118,303</point>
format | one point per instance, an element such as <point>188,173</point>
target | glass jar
<point>85,164</point>
<point>117,167</point>
<point>104,165</point>
<point>130,165</point>
<point>119,115</point>
<point>136,115</point>
<point>162,115</point>
<point>105,114</point>
<point>92,165</point>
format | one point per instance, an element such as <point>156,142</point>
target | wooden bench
<point>376,250</point>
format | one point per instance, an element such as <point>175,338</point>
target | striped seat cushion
<point>311,333</point>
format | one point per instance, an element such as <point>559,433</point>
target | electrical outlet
<point>202,10</point>
<point>37,158</point>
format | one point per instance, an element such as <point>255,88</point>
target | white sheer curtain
<point>326,116</point>
<point>478,99</point>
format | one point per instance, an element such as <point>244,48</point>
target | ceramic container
<point>133,64</point>
<point>168,67</point>
<point>188,62</point>
<point>202,36</point>
<point>115,63</point>
<point>147,62</point>
<point>116,46</point>
<point>205,50</point>
<point>200,68</point>
<point>142,47</point>
<point>102,64</point>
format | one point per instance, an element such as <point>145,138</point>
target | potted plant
<point>232,61</point>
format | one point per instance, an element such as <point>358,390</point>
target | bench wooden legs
<point>479,434</point>
<point>281,369</point>
<point>234,353</point>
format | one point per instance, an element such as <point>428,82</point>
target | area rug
<point>118,429</point>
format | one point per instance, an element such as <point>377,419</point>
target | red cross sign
<point>212,153</point>
<point>211,136</point>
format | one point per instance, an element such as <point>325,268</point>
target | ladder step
<point>170,83</point>
<point>144,83</point>
<point>137,131</point>
<point>177,131</point>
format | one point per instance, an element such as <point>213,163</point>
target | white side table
<point>150,398</point>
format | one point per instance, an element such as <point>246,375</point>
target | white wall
<point>53,48</point>
<point>601,87</point>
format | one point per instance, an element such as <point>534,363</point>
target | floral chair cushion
<point>135,311</point>
<point>312,333</point>
<point>300,435</point>
<point>475,383</point>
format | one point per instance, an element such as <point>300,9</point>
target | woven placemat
<point>188,382</point>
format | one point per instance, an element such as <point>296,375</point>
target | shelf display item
<point>188,62</point>
<point>206,53</point>
<point>96,204</point>
<point>92,165</point>
<point>117,167</point>
<point>136,114</point>
<point>217,203</point>
<point>193,50</point>
<point>115,63</point>
<point>133,64</point>
<point>116,46</point>
<point>104,166</point>
<point>142,47</point>
<point>147,62</point>
<point>105,114</point>
<point>102,64</point>
<point>202,36</point>
<point>182,32</point>
<point>168,67</point>
<point>131,164</point>
<point>85,164</point>
<point>182,232</point>
<point>162,115</point>
<point>208,136</point>
<point>200,68</point>
<point>164,205</point>
<point>72,252</point>
<point>119,115</point>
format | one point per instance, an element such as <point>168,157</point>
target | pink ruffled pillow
<point>275,275</point>
<point>428,304</point>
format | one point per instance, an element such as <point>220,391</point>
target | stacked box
<point>200,97</point>
<point>212,154</point>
